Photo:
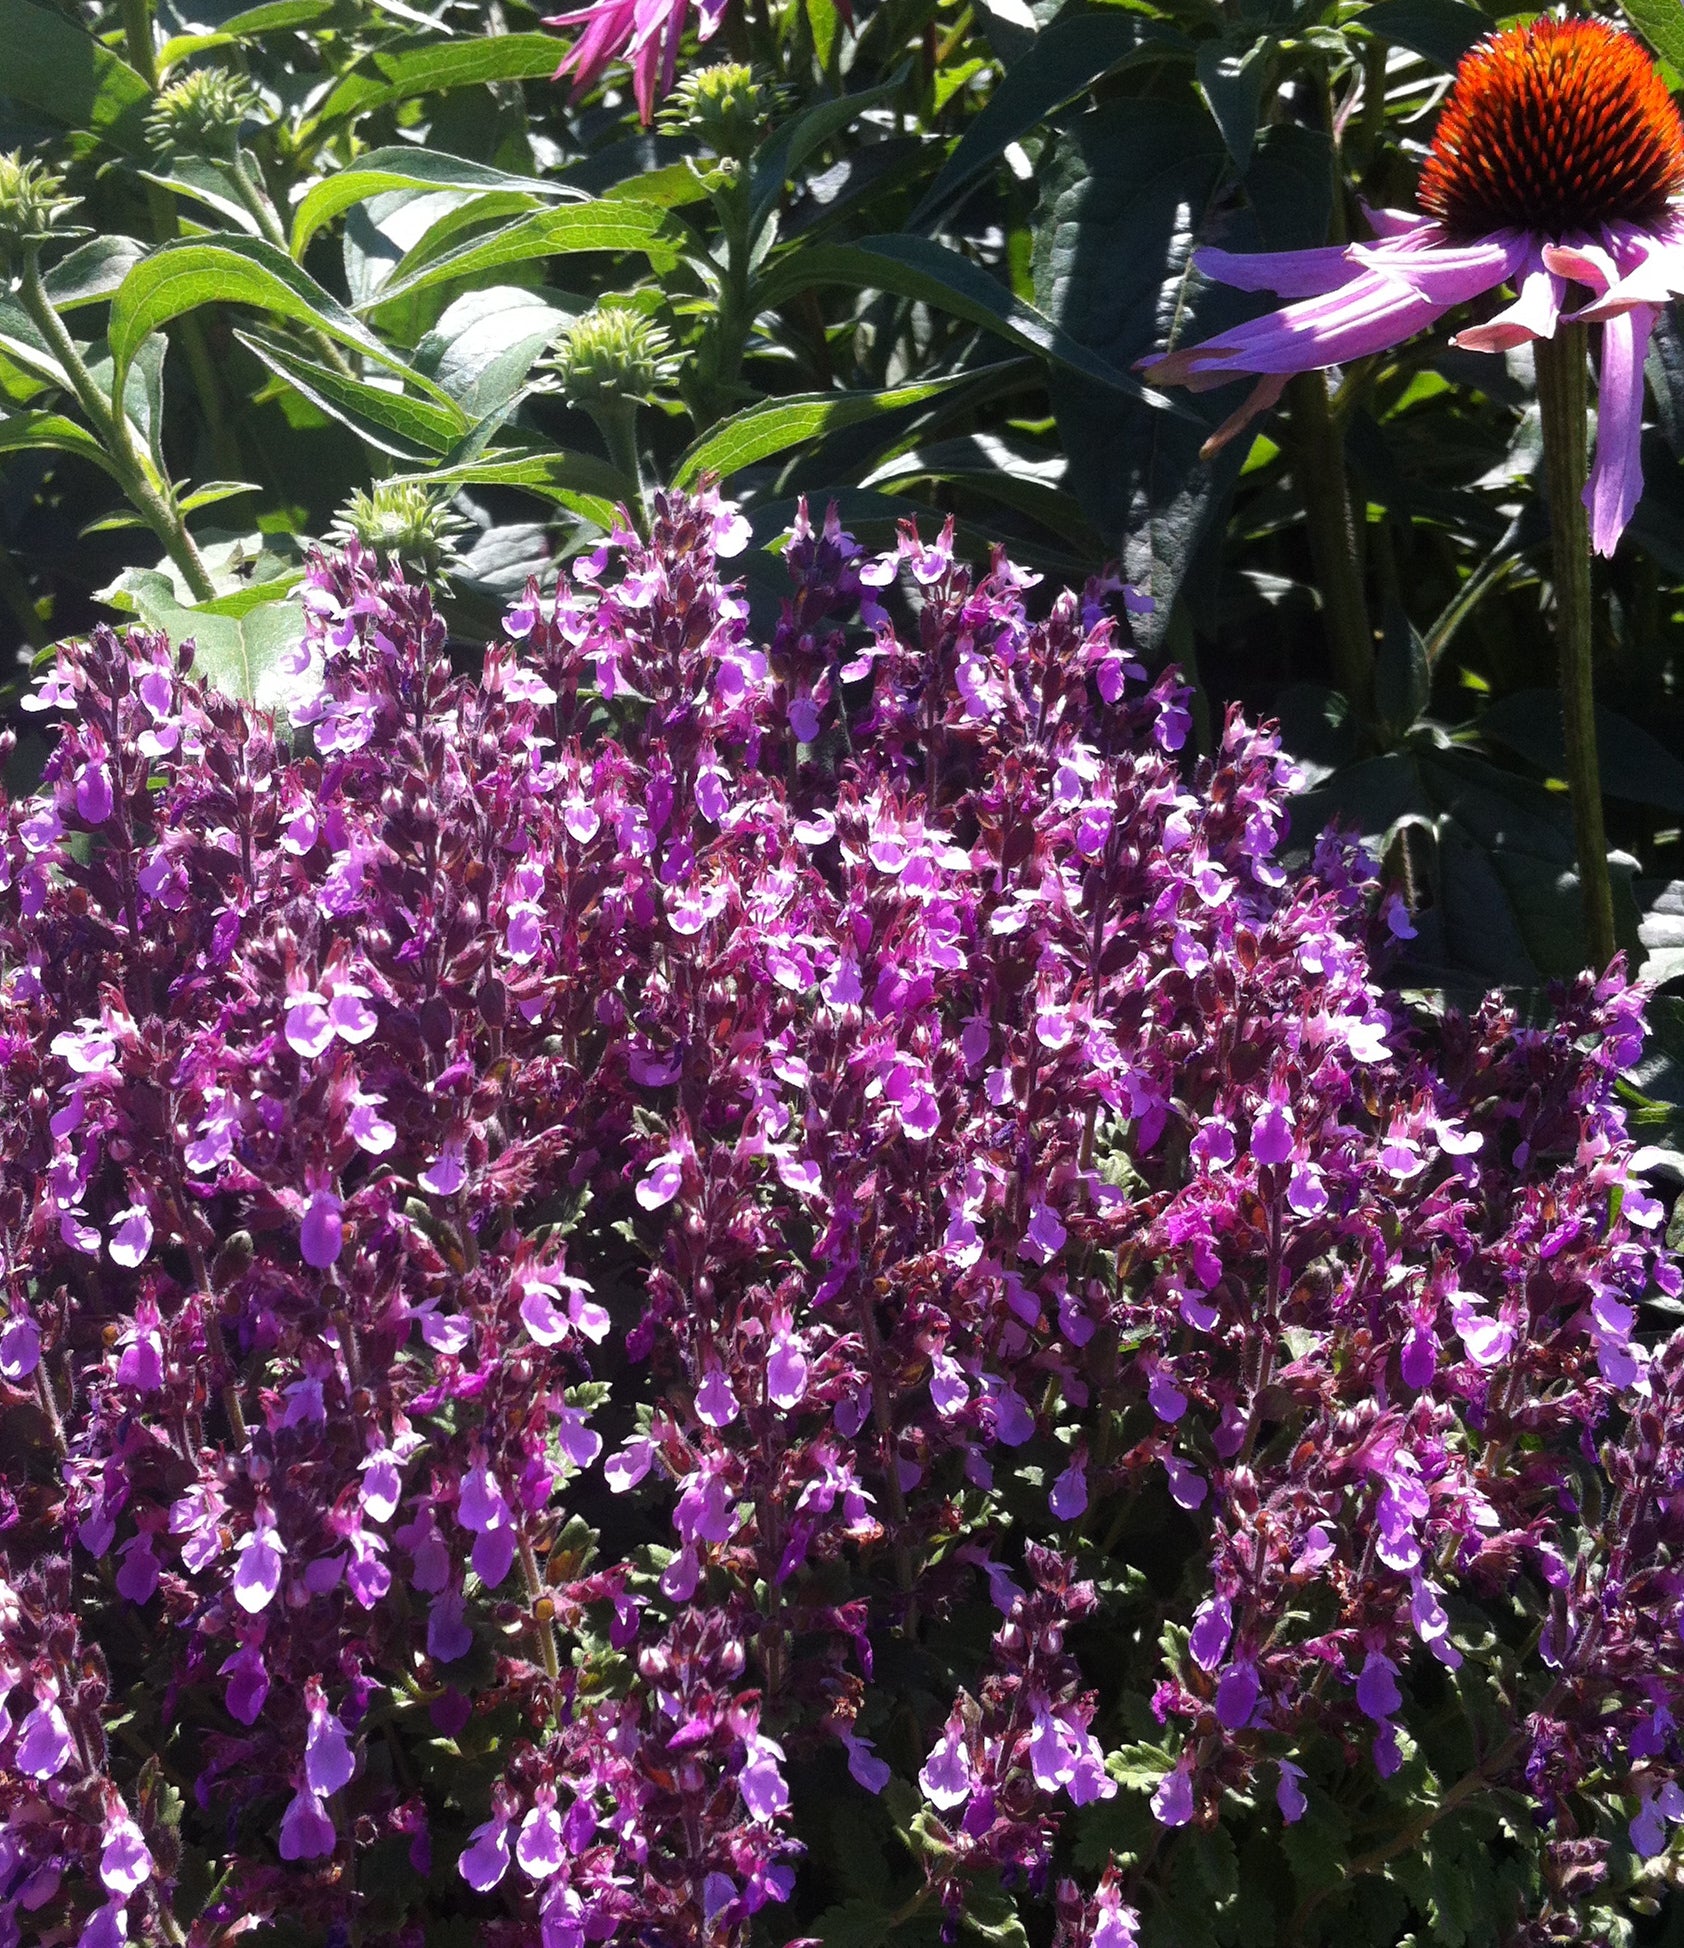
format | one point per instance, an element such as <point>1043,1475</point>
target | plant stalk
<point>110,423</point>
<point>1319,468</point>
<point>1563,391</point>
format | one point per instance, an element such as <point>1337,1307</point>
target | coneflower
<point>1558,162</point>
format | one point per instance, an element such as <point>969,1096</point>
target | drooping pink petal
<point>1534,313</point>
<point>1616,475</point>
<point>1288,273</point>
<point>1651,271</point>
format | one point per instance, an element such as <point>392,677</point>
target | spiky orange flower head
<point>1554,127</point>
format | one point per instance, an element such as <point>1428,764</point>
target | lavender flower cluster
<point>553,1222</point>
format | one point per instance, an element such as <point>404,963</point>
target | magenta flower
<point>1557,160</point>
<point>646,31</point>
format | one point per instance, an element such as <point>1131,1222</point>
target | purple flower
<point>1172,1798</point>
<point>539,1848</point>
<point>1377,1693</point>
<point>1213,1624</point>
<point>131,1235</point>
<point>660,1183</point>
<point>1289,1792</point>
<point>20,1349</point>
<point>125,1860</point>
<point>1236,1696</point>
<point>864,1766</point>
<point>261,1554</point>
<point>650,29</point>
<point>44,1742</point>
<point>321,1236</point>
<point>485,1859</point>
<point>306,1831</point>
<point>448,1633</point>
<point>328,1762</point>
<point>946,1778</point>
<point>1068,1498</point>
<point>760,1782</point>
<point>248,1683</point>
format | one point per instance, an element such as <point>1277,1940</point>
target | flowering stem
<point>1562,396</point>
<point>1319,468</point>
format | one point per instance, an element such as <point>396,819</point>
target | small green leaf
<point>782,154</point>
<point>1232,85</point>
<point>412,429</point>
<point>425,68</point>
<point>92,272</point>
<point>1068,58</point>
<point>52,66</point>
<point>777,424</point>
<point>1440,31</point>
<point>1661,24</point>
<point>580,482</point>
<point>404,168</point>
<point>608,224</point>
<point>19,432</point>
<point>181,276</point>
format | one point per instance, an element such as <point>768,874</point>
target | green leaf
<point>1635,765</point>
<point>1064,61</point>
<point>412,429</point>
<point>1661,24</point>
<point>54,67</point>
<point>916,267</point>
<point>608,224</point>
<point>277,18</point>
<point>777,424</point>
<point>1131,189</point>
<point>181,276</point>
<point>92,272</point>
<point>1440,31</point>
<point>209,182</point>
<point>580,482</point>
<point>403,168</point>
<point>483,345</point>
<point>237,653</point>
<point>19,432</point>
<point>782,154</point>
<point>425,67</point>
<point>1232,85</point>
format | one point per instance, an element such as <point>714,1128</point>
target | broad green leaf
<point>21,342</point>
<point>1004,470</point>
<point>777,424</point>
<point>179,277</point>
<point>1441,31</point>
<point>92,271</point>
<point>403,168</point>
<point>19,432</point>
<point>237,653</point>
<point>1130,190</point>
<point>605,225</point>
<point>483,346</point>
<point>1662,25</point>
<point>579,482</point>
<point>782,154</point>
<point>412,429</point>
<point>277,18</point>
<point>1636,766</point>
<point>1064,61</point>
<point>426,68</point>
<point>915,267</point>
<point>1232,84</point>
<point>428,225</point>
<point>208,182</point>
<point>206,496</point>
<point>54,67</point>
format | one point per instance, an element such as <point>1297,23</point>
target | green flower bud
<point>404,522</point>
<point>724,107</point>
<point>31,207</point>
<point>610,355</point>
<point>201,113</point>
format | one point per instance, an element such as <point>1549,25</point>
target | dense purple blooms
<point>549,1232</point>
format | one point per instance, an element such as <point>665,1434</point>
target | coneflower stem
<point>1562,364</point>
<point>1318,465</point>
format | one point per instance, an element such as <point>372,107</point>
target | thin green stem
<point>616,421</point>
<point>1318,465</point>
<point>1562,400</point>
<point>142,48</point>
<point>155,502</point>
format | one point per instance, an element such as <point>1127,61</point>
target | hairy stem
<point>154,502</point>
<point>1562,396</point>
<point>1319,468</point>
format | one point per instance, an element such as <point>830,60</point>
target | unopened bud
<point>201,114</point>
